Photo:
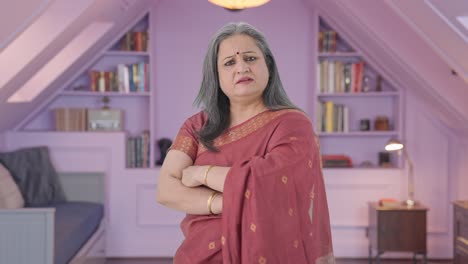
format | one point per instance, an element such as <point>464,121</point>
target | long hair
<point>213,100</point>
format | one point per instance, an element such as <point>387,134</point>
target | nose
<point>242,67</point>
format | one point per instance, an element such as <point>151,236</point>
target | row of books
<point>327,41</point>
<point>126,79</point>
<point>138,150</point>
<point>332,117</point>
<point>134,41</point>
<point>340,77</point>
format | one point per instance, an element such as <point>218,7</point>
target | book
<point>389,202</point>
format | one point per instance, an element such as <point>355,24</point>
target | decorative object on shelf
<point>378,85</point>
<point>365,84</point>
<point>384,159</point>
<point>336,161</point>
<point>366,164</point>
<point>381,123</point>
<point>163,144</point>
<point>235,5</point>
<point>105,119</point>
<point>105,102</point>
<point>364,124</point>
<point>389,202</point>
<point>396,145</point>
<point>80,88</point>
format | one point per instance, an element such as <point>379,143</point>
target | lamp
<point>396,145</point>
<point>238,4</point>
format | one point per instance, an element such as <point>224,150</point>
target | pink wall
<point>180,46</point>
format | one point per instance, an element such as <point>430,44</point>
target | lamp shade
<point>238,4</point>
<point>393,145</point>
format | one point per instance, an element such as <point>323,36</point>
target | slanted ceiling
<point>411,42</point>
<point>403,52</point>
<point>119,13</point>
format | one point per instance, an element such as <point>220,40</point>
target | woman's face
<point>242,70</point>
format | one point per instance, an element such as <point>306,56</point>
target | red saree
<point>274,203</point>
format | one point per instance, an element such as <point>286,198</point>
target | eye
<point>229,63</point>
<point>251,58</point>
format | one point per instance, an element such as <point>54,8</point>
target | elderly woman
<point>247,168</point>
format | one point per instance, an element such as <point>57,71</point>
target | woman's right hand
<point>191,176</point>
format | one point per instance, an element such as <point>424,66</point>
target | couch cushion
<point>75,223</point>
<point>35,175</point>
<point>10,196</point>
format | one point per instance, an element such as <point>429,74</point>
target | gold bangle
<point>205,177</point>
<point>210,201</point>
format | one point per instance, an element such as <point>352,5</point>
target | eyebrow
<point>245,52</point>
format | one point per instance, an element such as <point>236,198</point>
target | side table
<point>397,228</point>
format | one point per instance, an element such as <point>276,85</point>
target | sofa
<point>38,222</point>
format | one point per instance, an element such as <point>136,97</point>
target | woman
<point>246,169</point>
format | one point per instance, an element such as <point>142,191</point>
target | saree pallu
<point>274,202</point>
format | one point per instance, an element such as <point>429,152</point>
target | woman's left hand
<point>191,176</point>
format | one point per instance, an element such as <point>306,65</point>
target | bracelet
<point>210,201</point>
<point>205,177</point>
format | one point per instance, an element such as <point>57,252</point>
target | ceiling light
<point>238,4</point>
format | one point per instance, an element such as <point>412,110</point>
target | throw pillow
<point>10,196</point>
<point>36,177</point>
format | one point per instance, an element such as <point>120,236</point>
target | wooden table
<point>460,232</point>
<point>397,228</point>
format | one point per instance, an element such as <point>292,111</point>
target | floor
<point>338,261</point>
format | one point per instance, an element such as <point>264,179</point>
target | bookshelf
<point>121,75</point>
<point>357,109</point>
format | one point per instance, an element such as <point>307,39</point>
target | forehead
<point>237,43</point>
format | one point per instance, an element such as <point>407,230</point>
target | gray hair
<point>213,100</point>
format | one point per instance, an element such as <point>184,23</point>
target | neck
<point>242,112</point>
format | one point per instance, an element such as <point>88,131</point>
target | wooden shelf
<point>88,93</point>
<point>376,168</point>
<point>360,94</point>
<point>126,53</point>
<point>358,134</point>
<point>339,54</point>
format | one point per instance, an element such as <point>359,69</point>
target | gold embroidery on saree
<point>247,194</point>
<point>185,144</point>
<point>318,146</point>
<point>296,243</point>
<point>262,260</point>
<point>311,208</point>
<point>212,245</point>
<point>246,129</point>
<point>253,227</point>
<point>284,179</point>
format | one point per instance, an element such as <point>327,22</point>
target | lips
<point>244,80</point>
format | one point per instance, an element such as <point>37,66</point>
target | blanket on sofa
<point>35,175</point>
